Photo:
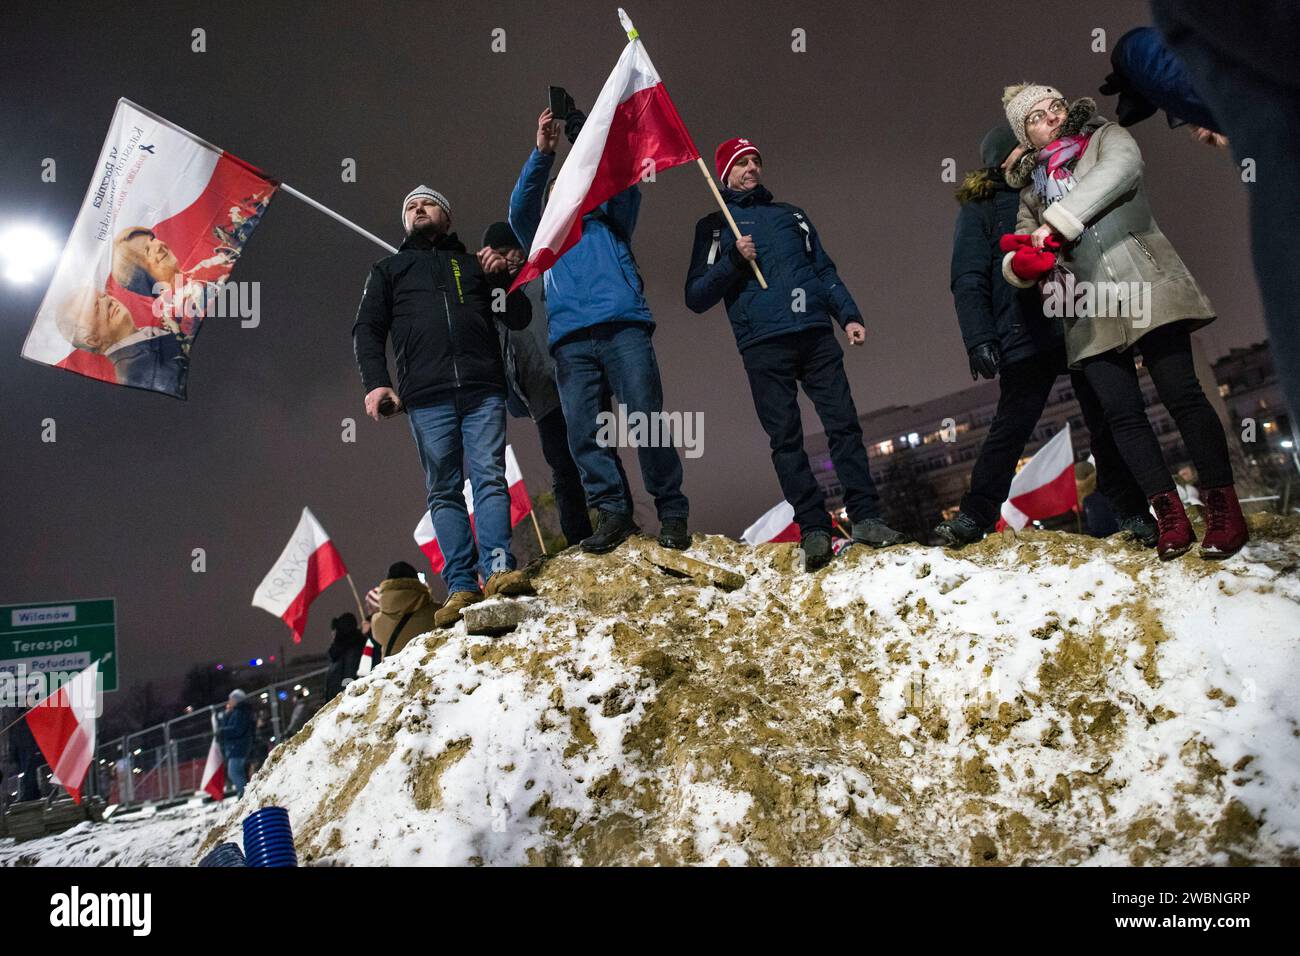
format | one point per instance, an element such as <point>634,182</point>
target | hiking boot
<point>1141,528</point>
<point>1176,536</point>
<point>611,531</point>
<point>876,533</point>
<point>817,550</point>
<point>959,531</point>
<point>673,534</point>
<point>509,583</point>
<point>1225,525</point>
<point>449,613</point>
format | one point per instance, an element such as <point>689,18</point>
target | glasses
<point>1056,108</point>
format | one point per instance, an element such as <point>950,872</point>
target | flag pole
<point>633,34</point>
<point>538,528</point>
<point>335,216</point>
<point>360,609</point>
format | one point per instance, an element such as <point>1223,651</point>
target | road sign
<point>59,636</point>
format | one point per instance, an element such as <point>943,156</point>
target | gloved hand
<point>1032,264</point>
<point>985,360</point>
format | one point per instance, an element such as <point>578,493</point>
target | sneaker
<point>673,534</point>
<point>611,531</point>
<point>876,533</point>
<point>1225,525</point>
<point>508,583</point>
<point>1141,528</point>
<point>1176,536</point>
<point>449,613</point>
<point>959,531</point>
<point>817,550</point>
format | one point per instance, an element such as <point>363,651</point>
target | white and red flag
<point>1045,487</point>
<point>161,226</point>
<point>214,772</point>
<point>777,524</point>
<point>63,725</point>
<point>633,127</point>
<point>520,505</point>
<point>308,565</point>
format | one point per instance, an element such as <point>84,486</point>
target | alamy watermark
<point>1066,297</point>
<point>623,429</point>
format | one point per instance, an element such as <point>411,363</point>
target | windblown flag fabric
<point>162,224</point>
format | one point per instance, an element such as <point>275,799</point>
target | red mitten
<point>1032,264</point>
<point>1014,240</point>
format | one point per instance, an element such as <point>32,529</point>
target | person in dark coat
<point>235,728</point>
<point>1148,76</point>
<point>533,393</point>
<point>1008,337</point>
<point>786,338</point>
<point>344,653</point>
<point>439,306</point>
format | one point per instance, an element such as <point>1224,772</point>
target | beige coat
<point>1138,280</point>
<point>397,597</point>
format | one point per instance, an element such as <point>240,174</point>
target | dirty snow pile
<point>1039,698</point>
<point>145,837</point>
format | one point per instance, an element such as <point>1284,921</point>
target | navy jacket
<point>990,309</point>
<point>597,280</point>
<point>236,731</point>
<point>435,303</point>
<point>791,257</point>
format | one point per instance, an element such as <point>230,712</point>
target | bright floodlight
<point>25,251</point>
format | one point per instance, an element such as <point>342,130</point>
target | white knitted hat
<point>1019,99</point>
<point>425,191</point>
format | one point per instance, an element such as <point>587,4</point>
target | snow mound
<point>1038,698</point>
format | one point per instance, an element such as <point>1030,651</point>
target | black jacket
<point>345,658</point>
<point>990,309</point>
<point>436,304</point>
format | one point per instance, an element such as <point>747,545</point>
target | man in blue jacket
<point>599,333</point>
<point>786,339</point>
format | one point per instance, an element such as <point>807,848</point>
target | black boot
<point>817,550</point>
<point>611,531</point>
<point>959,531</point>
<point>1141,528</point>
<point>876,533</point>
<point>673,534</point>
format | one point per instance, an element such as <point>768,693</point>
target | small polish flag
<point>777,525</point>
<point>633,127</point>
<point>520,506</point>
<point>367,657</point>
<point>63,725</point>
<point>308,565</point>
<point>1045,487</point>
<point>214,772</point>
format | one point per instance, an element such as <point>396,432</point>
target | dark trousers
<point>566,482</point>
<point>1167,356</point>
<point>1024,390</point>
<point>814,360</point>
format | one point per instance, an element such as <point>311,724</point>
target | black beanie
<point>997,145</point>
<point>499,235</point>
<point>401,570</point>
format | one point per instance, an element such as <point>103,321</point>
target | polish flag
<point>63,725</point>
<point>367,657</point>
<point>214,772</point>
<point>633,121</point>
<point>162,224</point>
<point>308,565</point>
<point>777,525</point>
<point>520,506</point>
<point>1045,487</point>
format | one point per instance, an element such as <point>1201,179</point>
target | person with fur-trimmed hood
<point>1008,337</point>
<point>786,338</point>
<point>1084,221</point>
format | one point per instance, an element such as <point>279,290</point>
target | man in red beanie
<point>787,339</point>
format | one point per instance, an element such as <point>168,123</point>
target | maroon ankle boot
<point>1225,525</point>
<point>1176,534</point>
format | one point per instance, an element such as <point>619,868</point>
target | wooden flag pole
<point>360,609</point>
<point>538,528</point>
<point>753,263</point>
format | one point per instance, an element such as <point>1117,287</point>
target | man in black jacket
<point>1007,337</point>
<point>440,304</point>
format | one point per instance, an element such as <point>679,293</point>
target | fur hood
<point>980,184</point>
<point>1082,115</point>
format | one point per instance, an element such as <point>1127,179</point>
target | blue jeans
<point>615,357</point>
<point>237,768</point>
<point>471,426</point>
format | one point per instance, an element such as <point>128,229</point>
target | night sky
<point>855,131</point>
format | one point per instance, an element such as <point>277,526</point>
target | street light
<point>25,250</point>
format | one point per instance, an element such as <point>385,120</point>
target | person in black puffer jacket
<point>440,305</point>
<point>1008,337</point>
